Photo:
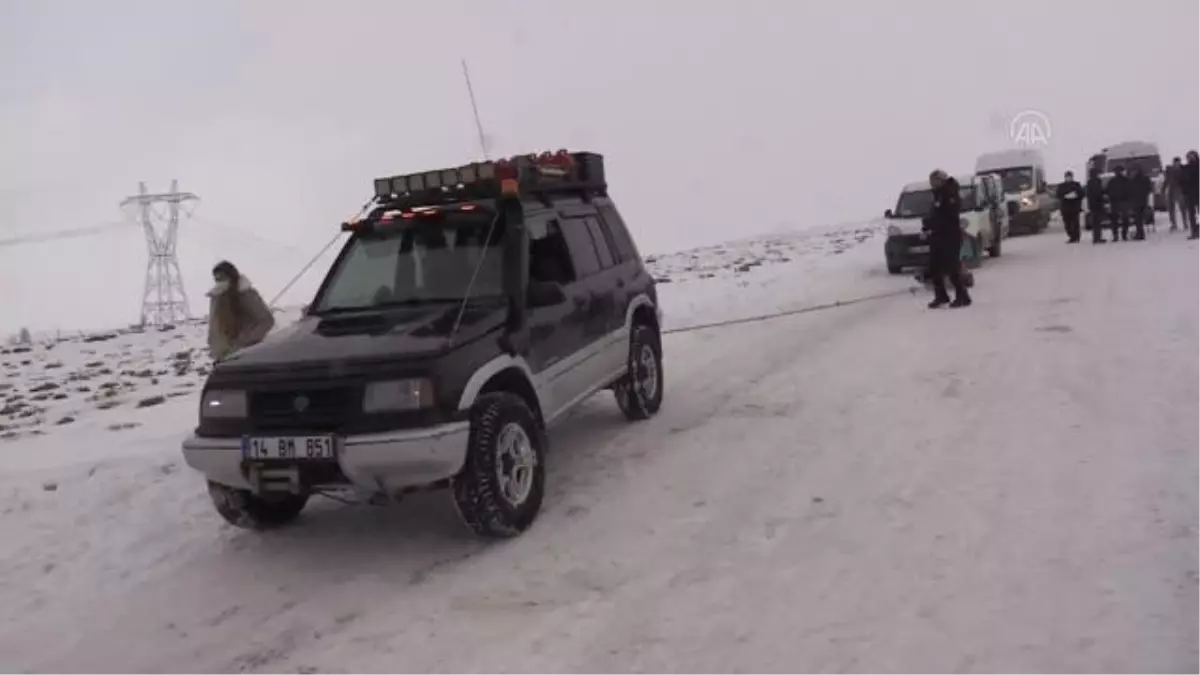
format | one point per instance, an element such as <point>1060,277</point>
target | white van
<point>1130,154</point>
<point>1023,175</point>
<point>982,217</point>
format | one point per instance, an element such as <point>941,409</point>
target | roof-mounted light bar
<point>520,173</point>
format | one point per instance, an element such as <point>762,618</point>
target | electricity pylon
<point>163,299</point>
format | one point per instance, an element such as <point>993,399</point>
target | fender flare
<point>488,370</point>
<point>641,300</point>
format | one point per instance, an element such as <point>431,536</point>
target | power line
<point>65,234</point>
<point>245,235</point>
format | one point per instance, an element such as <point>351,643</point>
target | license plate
<point>288,447</point>
<point>919,249</point>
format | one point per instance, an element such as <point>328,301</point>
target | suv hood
<point>403,334</point>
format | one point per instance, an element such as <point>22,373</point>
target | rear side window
<point>583,252</point>
<point>549,257</point>
<point>625,248</point>
<point>607,259</point>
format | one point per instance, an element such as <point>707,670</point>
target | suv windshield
<point>919,203</point>
<point>1017,179</point>
<point>1150,165</point>
<point>426,260</point>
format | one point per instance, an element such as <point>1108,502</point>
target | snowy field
<point>874,488</point>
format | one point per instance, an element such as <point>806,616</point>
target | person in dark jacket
<point>1172,191</point>
<point>1189,184</point>
<point>945,241</point>
<point>1140,189</point>
<point>1070,203</point>
<point>1119,193</point>
<point>1095,204</point>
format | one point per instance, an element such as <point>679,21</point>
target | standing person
<point>1171,190</point>
<point>1189,179</point>
<point>1095,204</point>
<point>1119,193</point>
<point>1070,203</point>
<point>945,241</point>
<point>237,315</point>
<point>1140,189</point>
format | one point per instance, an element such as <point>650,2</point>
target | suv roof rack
<point>537,175</point>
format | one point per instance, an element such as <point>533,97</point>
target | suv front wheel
<point>499,490</point>
<point>639,392</point>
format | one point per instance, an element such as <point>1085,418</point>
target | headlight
<point>397,395</point>
<point>894,231</point>
<point>223,404</point>
<point>962,223</point>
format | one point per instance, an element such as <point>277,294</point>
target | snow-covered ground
<point>876,487</point>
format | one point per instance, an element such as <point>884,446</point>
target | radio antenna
<point>475,110</point>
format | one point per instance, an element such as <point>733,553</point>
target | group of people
<point>1125,200</point>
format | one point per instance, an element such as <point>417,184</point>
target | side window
<point>582,250</point>
<point>549,259</point>
<point>600,241</point>
<point>625,248</point>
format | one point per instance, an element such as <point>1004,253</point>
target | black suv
<point>470,309</point>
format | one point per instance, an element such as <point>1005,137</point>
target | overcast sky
<point>717,119</point>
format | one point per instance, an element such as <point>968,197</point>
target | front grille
<point>911,239</point>
<point>311,409</point>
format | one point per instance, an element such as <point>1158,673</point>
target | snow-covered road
<point>879,487</point>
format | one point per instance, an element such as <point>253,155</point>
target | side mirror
<point>546,294</point>
<point>887,213</point>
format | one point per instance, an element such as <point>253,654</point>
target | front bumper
<point>1027,221</point>
<point>906,250</point>
<point>385,462</point>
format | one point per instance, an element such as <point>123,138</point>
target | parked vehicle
<point>1129,154</point>
<point>984,221</point>
<point>1023,175</point>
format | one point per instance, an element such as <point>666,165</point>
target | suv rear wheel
<point>639,392</point>
<point>500,488</point>
<point>247,510</point>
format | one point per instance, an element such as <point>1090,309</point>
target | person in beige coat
<point>237,315</point>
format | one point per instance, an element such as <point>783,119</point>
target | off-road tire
<point>244,509</point>
<point>636,403</point>
<point>478,495</point>
<point>994,249</point>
